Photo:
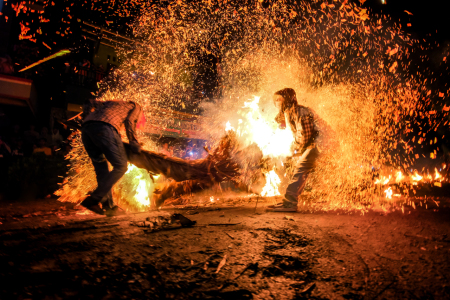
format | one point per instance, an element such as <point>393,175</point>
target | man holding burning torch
<point>102,141</point>
<point>300,120</point>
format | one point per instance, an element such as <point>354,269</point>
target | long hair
<point>289,96</point>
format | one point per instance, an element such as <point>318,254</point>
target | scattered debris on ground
<point>247,256</point>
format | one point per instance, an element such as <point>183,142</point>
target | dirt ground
<point>51,250</point>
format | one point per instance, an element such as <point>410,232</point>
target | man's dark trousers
<point>102,142</point>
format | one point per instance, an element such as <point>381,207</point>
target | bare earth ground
<point>50,250</point>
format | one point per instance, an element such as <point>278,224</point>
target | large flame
<point>272,140</point>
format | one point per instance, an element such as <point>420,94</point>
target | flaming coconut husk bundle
<point>227,161</point>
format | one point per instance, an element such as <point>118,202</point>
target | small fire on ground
<point>413,179</point>
<point>134,191</point>
<point>142,189</point>
<point>272,183</point>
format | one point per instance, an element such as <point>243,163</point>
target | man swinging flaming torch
<point>101,139</point>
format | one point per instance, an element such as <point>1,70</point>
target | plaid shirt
<point>301,121</point>
<point>116,113</point>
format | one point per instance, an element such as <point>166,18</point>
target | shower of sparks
<point>373,107</point>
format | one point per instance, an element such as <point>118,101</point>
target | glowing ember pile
<point>405,185</point>
<point>352,68</point>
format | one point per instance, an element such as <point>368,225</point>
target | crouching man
<point>101,139</point>
<point>300,120</point>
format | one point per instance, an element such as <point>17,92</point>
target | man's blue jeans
<point>102,142</point>
<point>304,166</point>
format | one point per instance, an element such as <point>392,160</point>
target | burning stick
<point>57,54</point>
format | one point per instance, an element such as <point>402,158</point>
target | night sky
<point>427,16</point>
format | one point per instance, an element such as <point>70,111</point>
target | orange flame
<point>399,176</point>
<point>437,175</point>
<point>416,177</point>
<point>272,183</point>
<point>272,140</point>
<point>383,180</point>
<point>388,193</point>
<point>143,187</point>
